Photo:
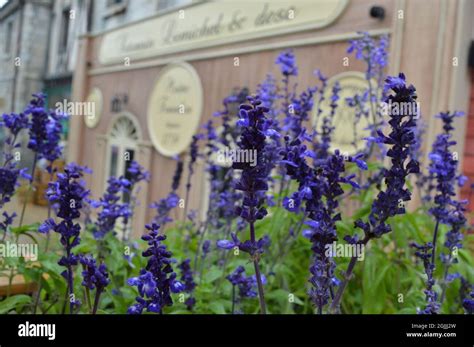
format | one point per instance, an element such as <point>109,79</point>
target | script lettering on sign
<point>215,23</point>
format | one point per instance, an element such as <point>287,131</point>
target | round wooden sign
<point>174,108</point>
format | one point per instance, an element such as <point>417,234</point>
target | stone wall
<point>31,60</point>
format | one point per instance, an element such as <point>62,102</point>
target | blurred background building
<point>157,70</point>
<point>24,28</point>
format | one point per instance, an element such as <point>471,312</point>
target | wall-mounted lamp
<point>117,102</point>
<point>377,12</point>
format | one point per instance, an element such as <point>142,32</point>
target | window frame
<point>8,45</point>
<point>114,8</point>
<point>123,144</point>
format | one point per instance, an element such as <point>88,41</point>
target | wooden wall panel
<point>425,44</point>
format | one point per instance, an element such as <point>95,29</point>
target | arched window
<point>124,135</point>
<point>123,138</point>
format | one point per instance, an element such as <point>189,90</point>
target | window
<point>8,37</point>
<point>115,8</point>
<point>114,154</point>
<point>64,33</point>
<point>164,5</point>
<point>114,2</point>
<point>123,144</point>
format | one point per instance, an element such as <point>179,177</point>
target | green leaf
<point>374,292</point>
<point>344,228</point>
<point>14,302</point>
<point>25,228</point>
<point>213,274</point>
<point>218,306</point>
<point>364,211</point>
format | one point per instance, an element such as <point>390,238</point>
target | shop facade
<point>156,81</point>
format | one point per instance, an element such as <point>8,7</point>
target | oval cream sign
<point>96,102</point>
<point>348,135</point>
<point>174,108</point>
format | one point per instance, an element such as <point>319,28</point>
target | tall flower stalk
<point>252,183</point>
<point>318,190</point>
<point>135,174</point>
<point>443,169</point>
<point>187,279</point>
<point>67,196</point>
<point>44,128</point>
<point>112,208</point>
<point>165,205</point>
<point>9,173</point>
<point>424,252</point>
<point>216,182</point>
<point>242,287</point>
<point>374,54</point>
<point>358,103</point>
<point>94,277</point>
<point>286,61</point>
<point>9,176</point>
<point>118,201</point>
<point>391,201</point>
<point>44,137</point>
<point>324,216</point>
<point>327,128</point>
<point>443,177</point>
<point>193,155</point>
<point>157,280</point>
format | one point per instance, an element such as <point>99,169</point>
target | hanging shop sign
<point>215,23</point>
<point>175,108</point>
<point>349,133</point>
<point>95,103</point>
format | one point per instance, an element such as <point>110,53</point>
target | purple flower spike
<point>225,244</point>
<point>94,277</point>
<point>157,280</point>
<point>45,129</point>
<point>287,62</point>
<point>67,195</point>
<point>391,201</point>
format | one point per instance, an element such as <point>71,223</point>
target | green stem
<point>88,299</point>
<point>335,305</point>
<point>435,237</point>
<point>48,237</point>
<point>261,297</point>
<point>199,245</point>
<point>96,301</point>
<point>30,186</point>
<point>233,299</point>
<point>444,283</point>
<point>12,272</point>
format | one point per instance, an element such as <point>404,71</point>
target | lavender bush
<point>271,237</point>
